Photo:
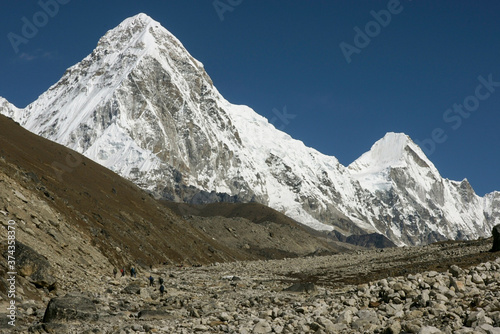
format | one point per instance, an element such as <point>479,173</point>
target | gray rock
<point>137,328</point>
<point>368,315</point>
<point>144,294</point>
<point>423,298</point>
<point>301,287</point>
<point>429,330</point>
<point>200,328</point>
<point>152,315</point>
<point>489,329</point>
<point>476,318</point>
<point>368,320</point>
<point>456,271</point>
<point>441,297</point>
<point>70,308</point>
<point>224,316</point>
<point>476,278</point>
<point>33,266</point>
<point>327,324</point>
<point>457,284</point>
<point>262,327</point>
<point>345,317</point>
<point>133,288</point>
<point>393,328</point>
<point>393,309</point>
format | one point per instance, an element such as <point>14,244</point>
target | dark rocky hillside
<point>81,220</point>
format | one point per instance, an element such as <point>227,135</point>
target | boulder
<point>456,271</point>
<point>4,322</point>
<point>34,267</point>
<point>301,287</point>
<point>262,327</point>
<point>152,315</point>
<point>70,308</point>
<point>496,238</point>
<point>429,330</point>
<point>133,288</point>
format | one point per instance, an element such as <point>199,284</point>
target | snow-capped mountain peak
<point>142,106</point>
<point>393,150</point>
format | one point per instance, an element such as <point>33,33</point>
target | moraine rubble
<point>252,297</point>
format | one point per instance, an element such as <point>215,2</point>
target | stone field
<point>344,293</point>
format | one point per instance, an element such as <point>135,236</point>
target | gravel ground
<point>451,287</point>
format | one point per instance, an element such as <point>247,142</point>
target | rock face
<point>70,308</point>
<point>496,239</point>
<point>142,106</point>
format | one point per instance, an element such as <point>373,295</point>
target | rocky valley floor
<point>451,287</point>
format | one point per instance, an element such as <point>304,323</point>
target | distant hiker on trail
<point>151,281</point>
<point>115,272</point>
<point>162,289</point>
<point>122,271</point>
<point>161,280</point>
<point>132,272</point>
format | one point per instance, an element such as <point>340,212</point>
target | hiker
<point>122,271</point>
<point>161,280</point>
<point>115,272</point>
<point>162,289</point>
<point>151,281</point>
<point>132,272</point>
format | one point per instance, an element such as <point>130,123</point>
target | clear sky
<point>345,72</point>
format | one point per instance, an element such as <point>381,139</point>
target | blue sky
<point>409,70</point>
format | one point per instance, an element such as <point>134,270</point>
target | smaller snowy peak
<point>393,150</point>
